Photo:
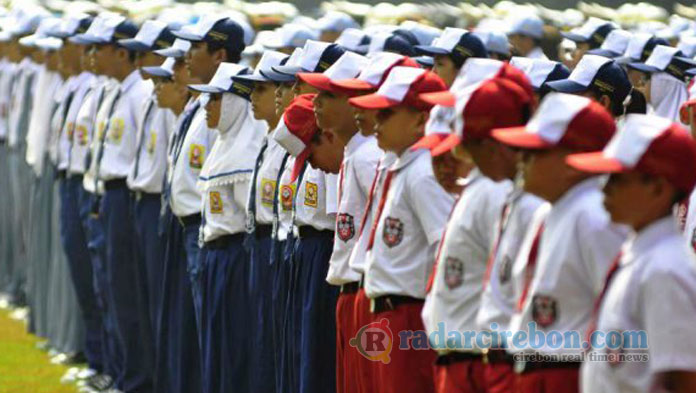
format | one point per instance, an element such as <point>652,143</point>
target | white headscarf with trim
<point>667,94</point>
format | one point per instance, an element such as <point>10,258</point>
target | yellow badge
<point>196,156</point>
<point>71,129</point>
<point>286,193</point>
<point>152,142</point>
<point>81,135</point>
<point>311,195</point>
<point>267,192</point>
<point>100,130</point>
<point>215,202</point>
<point>116,130</point>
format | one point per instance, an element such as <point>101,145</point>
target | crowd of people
<point>201,198</point>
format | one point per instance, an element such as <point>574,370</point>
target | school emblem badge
<point>286,192</point>
<point>393,232</point>
<point>505,270</point>
<point>81,135</point>
<point>267,191</point>
<point>152,142</point>
<point>116,131</point>
<point>311,195</point>
<point>345,226</point>
<point>544,310</point>
<point>196,156</point>
<point>454,272</point>
<point>215,202</point>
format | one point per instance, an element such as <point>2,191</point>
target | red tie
<point>370,197</point>
<point>531,264</point>
<point>380,207</point>
<point>431,280</point>
<point>494,251</point>
<point>598,301</point>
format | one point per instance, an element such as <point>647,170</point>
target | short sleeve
<point>606,239</point>
<point>431,204</point>
<point>331,184</point>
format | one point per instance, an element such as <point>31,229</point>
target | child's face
<point>448,169</point>
<point>365,120</point>
<point>493,159</point>
<point>263,101</point>
<point>333,112</point>
<point>543,170</point>
<point>200,62</point>
<point>627,196</point>
<point>444,68</point>
<point>399,127</point>
<point>147,59</point>
<point>326,152</point>
<point>283,97</point>
<point>212,110</point>
<point>102,58</point>
<point>300,88</point>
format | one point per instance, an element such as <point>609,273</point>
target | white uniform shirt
<point>110,93</point>
<point>185,196</point>
<point>409,229</point>
<point>361,157</point>
<point>359,254</point>
<point>577,246</point>
<point>498,299</point>
<point>317,200</point>
<point>456,292</point>
<point>7,73</point>
<point>24,82</point>
<point>537,53</point>
<point>121,133</point>
<point>690,223</point>
<point>266,180</point>
<point>653,291</point>
<point>154,133</point>
<point>85,123</point>
<point>80,84</point>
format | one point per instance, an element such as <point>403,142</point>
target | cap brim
<point>206,89</point>
<point>83,39</point>
<point>446,145</point>
<point>277,76</point>
<point>691,72</point>
<point>287,70</point>
<point>353,84</point>
<point>188,36</point>
<point>170,52</point>
<point>134,45</point>
<point>317,80</point>
<point>574,37</point>
<point>519,137</point>
<point>252,78</point>
<point>431,50</point>
<point>595,162</point>
<point>430,141</point>
<point>643,67</point>
<point>425,61</point>
<point>566,86</point>
<point>157,71</point>
<point>444,98</point>
<point>373,101</point>
<point>604,53</point>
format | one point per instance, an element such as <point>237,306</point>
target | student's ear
<point>606,102</point>
<point>219,56</point>
<point>121,54</point>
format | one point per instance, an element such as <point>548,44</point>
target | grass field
<point>23,368</point>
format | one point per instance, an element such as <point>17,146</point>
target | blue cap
<point>277,77</point>
<point>459,44</point>
<point>593,32</point>
<point>215,29</point>
<point>153,35</point>
<point>540,71</point>
<point>602,73</point>
<point>224,81</point>
<point>166,70</point>
<point>316,57</point>
<point>269,59</point>
<point>425,61</point>
<point>666,59</point>
<point>73,25</point>
<point>394,42</point>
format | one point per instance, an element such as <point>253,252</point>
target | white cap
<point>199,30</point>
<point>495,41</point>
<point>373,73</point>
<point>476,70</point>
<point>687,44</point>
<point>222,80</point>
<point>424,34</point>
<point>529,25</point>
<point>336,21</point>
<point>269,59</point>
<point>537,70</point>
<point>178,49</point>
<point>347,66</point>
<point>586,70</point>
<point>46,27</point>
<point>634,50</point>
<point>354,40</point>
<point>616,43</point>
<point>292,35</point>
<point>149,32</point>
<point>637,134</point>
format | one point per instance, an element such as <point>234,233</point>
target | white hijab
<point>667,94</point>
<point>233,156</point>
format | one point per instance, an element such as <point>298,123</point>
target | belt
<point>458,357</point>
<point>114,184</point>
<point>193,219</point>
<point>223,241</point>
<point>350,287</point>
<point>391,302</point>
<point>75,177</point>
<point>138,195</point>
<point>263,231</point>
<point>310,231</point>
<point>62,174</point>
<point>522,367</point>
<point>362,281</point>
<point>497,356</point>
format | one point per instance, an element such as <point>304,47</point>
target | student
<point>600,79</point>
<point>651,162</point>
<point>590,35</point>
<point>639,48</point>
<point>116,145</point>
<point>451,50</point>
<point>455,292</point>
<point>340,149</point>
<point>525,36</point>
<point>540,72</point>
<point>562,272</point>
<point>224,183</point>
<point>614,46</point>
<point>411,212</point>
<point>259,223</point>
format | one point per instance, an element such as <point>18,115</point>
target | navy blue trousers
<point>262,340</point>
<point>311,319</point>
<point>178,368</point>
<point>225,317</point>
<point>74,241</point>
<point>149,249</point>
<point>195,272</point>
<point>126,293</point>
<point>280,275</point>
<point>96,244</point>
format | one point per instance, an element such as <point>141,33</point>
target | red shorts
<point>460,377</point>
<point>499,377</point>
<point>552,380</point>
<point>346,357</point>
<point>365,369</point>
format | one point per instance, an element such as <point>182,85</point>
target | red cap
<point>565,120</point>
<point>402,86</point>
<point>302,126</point>
<point>492,104</point>
<point>647,144</point>
<point>317,80</point>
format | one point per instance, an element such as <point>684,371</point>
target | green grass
<point>23,368</point>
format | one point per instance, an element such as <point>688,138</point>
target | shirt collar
<point>355,142</point>
<point>573,194</point>
<point>639,243</point>
<point>130,80</point>
<point>388,159</point>
<point>407,157</point>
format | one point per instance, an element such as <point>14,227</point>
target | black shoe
<point>99,382</point>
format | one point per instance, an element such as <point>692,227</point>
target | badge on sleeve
<point>345,226</point>
<point>70,126</point>
<point>267,192</point>
<point>81,135</point>
<point>116,131</point>
<point>215,202</point>
<point>286,193</point>
<point>454,272</point>
<point>393,232</point>
<point>544,310</point>
<point>311,195</point>
<point>196,156</point>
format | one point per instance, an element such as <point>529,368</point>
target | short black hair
<point>233,56</point>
